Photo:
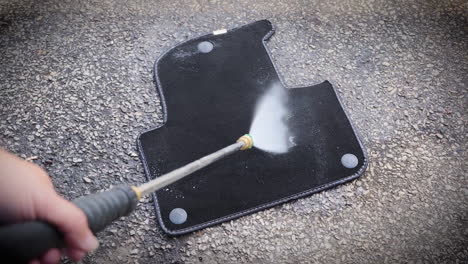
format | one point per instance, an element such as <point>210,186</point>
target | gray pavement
<point>76,90</point>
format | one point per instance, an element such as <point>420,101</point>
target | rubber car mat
<point>209,87</point>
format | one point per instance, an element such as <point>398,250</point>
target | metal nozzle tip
<point>247,140</point>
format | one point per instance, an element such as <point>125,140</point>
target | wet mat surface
<point>210,91</point>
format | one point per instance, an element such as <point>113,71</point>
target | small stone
<point>87,180</point>
<point>31,158</point>
<point>439,136</point>
<point>134,251</point>
<point>77,160</point>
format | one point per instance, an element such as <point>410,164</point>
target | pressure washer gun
<point>22,242</point>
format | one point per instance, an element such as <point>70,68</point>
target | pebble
<point>87,180</point>
<point>77,160</point>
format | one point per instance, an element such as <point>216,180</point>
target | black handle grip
<point>22,242</point>
<point>103,208</point>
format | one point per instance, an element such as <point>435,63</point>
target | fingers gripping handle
<point>22,242</point>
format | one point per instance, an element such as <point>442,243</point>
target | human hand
<point>27,193</point>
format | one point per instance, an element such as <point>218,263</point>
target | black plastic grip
<point>103,208</point>
<point>22,242</point>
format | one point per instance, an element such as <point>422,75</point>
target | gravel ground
<point>77,90</point>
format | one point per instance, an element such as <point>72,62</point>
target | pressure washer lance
<point>25,241</point>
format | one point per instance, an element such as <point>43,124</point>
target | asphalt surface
<point>76,90</point>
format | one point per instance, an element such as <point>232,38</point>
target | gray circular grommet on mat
<point>349,161</point>
<point>205,46</point>
<point>178,216</point>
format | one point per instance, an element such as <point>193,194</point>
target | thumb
<point>72,222</point>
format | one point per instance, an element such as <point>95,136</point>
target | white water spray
<point>269,130</point>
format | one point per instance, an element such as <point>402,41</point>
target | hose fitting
<point>247,140</point>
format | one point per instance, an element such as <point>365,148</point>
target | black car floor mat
<point>209,87</point>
